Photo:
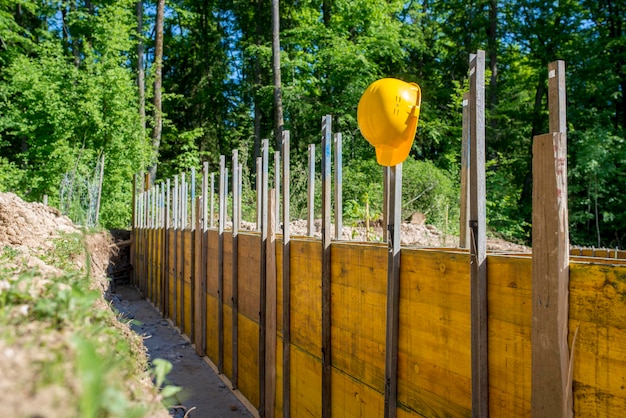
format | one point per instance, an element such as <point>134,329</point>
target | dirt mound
<point>30,224</point>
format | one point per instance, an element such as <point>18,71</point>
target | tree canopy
<point>68,94</point>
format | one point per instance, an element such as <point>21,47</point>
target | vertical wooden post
<point>326,294</point>
<point>133,232</point>
<point>551,384</point>
<point>259,193</point>
<point>386,194</point>
<point>197,279</point>
<point>220,265</point>
<point>270,308</point>
<point>175,205</point>
<point>311,198</point>
<point>263,277</point>
<point>286,280</point>
<point>338,186</point>
<point>464,237</point>
<point>183,227</point>
<point>277,185</point>
<point>205,226</point>
<point>164,251</point>
<point>166,248</point>
<point>477,225</point>
<point>212,197</point>
<point>194,205</point>
<point>393,289</point>
<point>235,272</point>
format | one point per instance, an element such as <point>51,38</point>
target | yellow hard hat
<point>387,114</point>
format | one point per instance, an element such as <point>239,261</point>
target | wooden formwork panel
<point>509,290</point>
<point>434,359</point>
<point>598,311</point>
<point>358,307</point>
<point>186,296</point>
<point>306,384</point>
<point>211,329</point>
<point>188,300</point>
<point>306,296</point>
<point>353,399</point>
<point>228,342</point>
<point>279,287</point>
<point>228,269</point>
<point>249,272</point>
<point>212,263</point>
<point>171,273</point>
<point>248,353</point>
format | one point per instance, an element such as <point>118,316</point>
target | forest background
<point>73,99</point>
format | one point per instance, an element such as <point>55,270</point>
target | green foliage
<point>63,318</point>
<point>59,117</point>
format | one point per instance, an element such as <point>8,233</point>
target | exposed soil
<point>29,229</point>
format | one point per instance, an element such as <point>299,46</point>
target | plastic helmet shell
<point>387,114</point>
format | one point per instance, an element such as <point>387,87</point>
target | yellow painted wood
<point>306,294</point>
<point>279,286</point>
<point>353,399</point>
<point>598,310</point>
<point>211,281</point>
<point>228,269</point>
<point>278,403</point>
<point>211,329</point>
<point>359,286</point>
<point>228,341</point>
<point>434,359</point>
<point>434,346</point>
<point>249,273</point>
<point>187,308</point>
<point>248,352</point>
<point>306,384</point>
<point>509,282</point>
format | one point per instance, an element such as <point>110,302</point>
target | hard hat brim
<point>391,156</point>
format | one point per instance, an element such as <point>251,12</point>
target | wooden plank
<point>551,389</point>
<point>193,247</point>
<point>326,259</point>
<point>204,256</point>
<point>259,193</point>
<point>477,224</point>
<point>358,306</point>
<point>393,291</point>
<point>263,278</point>
<point>183,227</point>
<point>306,315</point>
<point>248,348</point>
<point>306,384</point>
<point>598,312</point>
<point>235,269</point>
<point>270,308</point>
<point>311,192</point>
<point>176,206</point>
<point>337,138</point>
<point>220,265</point>
<point>286,282</point>
<point>464,237</point>
<point>434,358</point>
<point>197,278</point>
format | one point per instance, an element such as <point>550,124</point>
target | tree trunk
<point>492,46</point>
<point>278,97</point>
<point>158,70</point>
<point>141,77</point>
<point>257,84</point>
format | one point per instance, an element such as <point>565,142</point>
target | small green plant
<point>160,370</point>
